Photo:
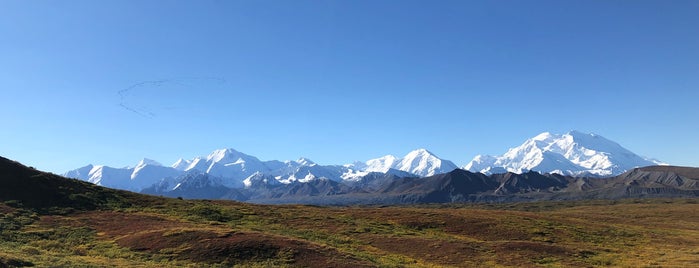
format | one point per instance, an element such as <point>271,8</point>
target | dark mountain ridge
<point>464,186</point>
<point>28,187</point>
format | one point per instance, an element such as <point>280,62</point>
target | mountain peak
<point>227,155</point>
<point>146,161</point>
<point>305,162</point>
<point>543,136</point>
<point>573,153</point>
<point>422,162</point>
<point>421,151</point>
<point>218,155</point>
<point>577,133</point>
<point>181,164</point>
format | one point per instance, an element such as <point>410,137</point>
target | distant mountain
<point>420,162</point>
<point>192,185</point>
<point>234,169</point>
<point>144,174</point>
<point>574,153</point>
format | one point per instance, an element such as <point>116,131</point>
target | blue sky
<point>110,82</point>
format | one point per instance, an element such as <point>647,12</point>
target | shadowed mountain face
<point>511,183</point>
<point>665,181</point>
<point>463,186</point>
<point>688,172</point>
<point>44,191</point>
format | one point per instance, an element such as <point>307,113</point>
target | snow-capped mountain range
<point>237,170</point>
<point>573,153</point>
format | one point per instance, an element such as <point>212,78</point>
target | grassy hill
<point>47,220</point>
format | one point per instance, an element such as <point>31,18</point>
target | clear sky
<point>111,82</point>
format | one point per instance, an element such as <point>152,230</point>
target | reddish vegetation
<point>214,244</point>
<point>230,248</point>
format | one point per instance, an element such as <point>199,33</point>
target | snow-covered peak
<point>422,162</point>
<point>305,162</point>
<point>594,142</point>
<point>82,173</point>
<point>222,155</point>
<point>480,162</point>
<point>381,164</point>
<point>419,153</point>
<point>573,153</point>
<point>181,164</point>
<point>146,161</point>
<point>543,136</point>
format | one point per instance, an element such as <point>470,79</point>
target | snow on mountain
<point>230,164</point>
<point>260,178</point>
<point>381,164</point>
<point>237,170</point>
<point>111,177</point>
<point>424,163</point>
<point>573,153</point>
<point>149,172</point>
<point>82,173</point>
<point>145,161</point>
<point>308,173</point>
<point>181,164</point>
<point>146,173</point>
<point>420,162</point>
